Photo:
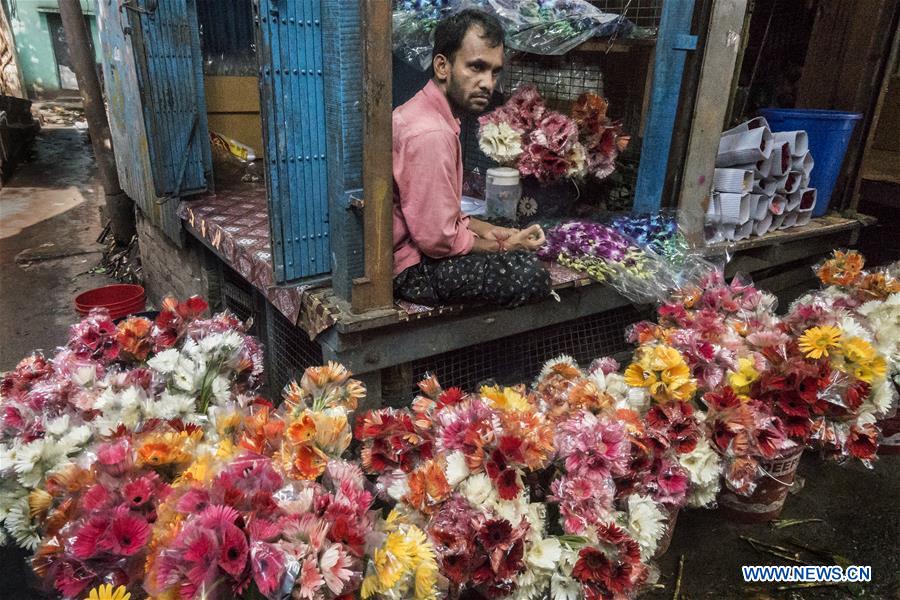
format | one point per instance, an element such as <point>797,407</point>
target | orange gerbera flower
<point>333,435</point>
<point>134,338</point>
<point>430,386</point>
<point>536,434</point>
<point>307,462</point>
<point>428,487</point>
<point>171,447</point>
<point>844,268</point>
<point>302,429</point>
<point>261,432</point>
<point>631,419</point>
<point>586,395</point>
<point>878,286</point>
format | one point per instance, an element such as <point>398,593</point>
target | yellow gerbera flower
<point>743,378</point>
<point>637,376</point>
<point>872,370</point>
<point>817,341</point>
<point>106,592</point>
<point>676,373</point>
<point>665,357</point>
<point>506,399</point>
<point>858,350</point>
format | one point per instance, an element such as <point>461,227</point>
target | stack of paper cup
<point>761,182</point>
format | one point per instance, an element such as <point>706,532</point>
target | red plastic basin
<point>114,298</point>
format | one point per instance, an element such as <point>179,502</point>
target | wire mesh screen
<point>237,296</point>
<point>643,13</point>
<point>290,351</point>
<point>519,358</point>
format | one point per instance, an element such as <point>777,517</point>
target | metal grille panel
<point>519,358</point>
<point>643,13</point>
<point>290,352</point>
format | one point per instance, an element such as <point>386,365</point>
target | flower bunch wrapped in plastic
<point>745,433</point>
<point>525,134</point>
<point>97,521</point>
<point>607,256</point>
<point>549,145</point>
<point>827,386</point>
<point>602,138</point>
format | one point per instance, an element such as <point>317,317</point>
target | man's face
<point>472,75</point>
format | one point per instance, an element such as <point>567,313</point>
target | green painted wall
<point>28,19</point>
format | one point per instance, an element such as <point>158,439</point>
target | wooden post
<point>873,127</point>
<point>375,289</point>
<point>723,41</point>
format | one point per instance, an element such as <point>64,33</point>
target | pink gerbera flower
<point>268,567</point>
<point>337,568</point>
<point>233,550</point>
<point>127,533</point>
<point>310,580</point>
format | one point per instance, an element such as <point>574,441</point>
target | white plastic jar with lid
<point>502,193</point>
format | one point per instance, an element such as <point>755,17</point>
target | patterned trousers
<point>510,279</point>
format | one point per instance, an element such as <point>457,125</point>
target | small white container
<point>502,193</point>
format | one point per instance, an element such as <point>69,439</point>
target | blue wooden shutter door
<point>289,48</point>
<point>170,73</point>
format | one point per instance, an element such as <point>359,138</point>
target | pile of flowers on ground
<point>549,145</point>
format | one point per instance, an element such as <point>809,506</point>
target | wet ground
<point>859,510</point>
<point>49,223</point>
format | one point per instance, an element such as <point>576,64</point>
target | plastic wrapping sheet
<point>535,26</point>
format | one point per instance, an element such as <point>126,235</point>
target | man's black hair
<point>449,33</point>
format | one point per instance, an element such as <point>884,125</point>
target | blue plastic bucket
<point>829,134</point>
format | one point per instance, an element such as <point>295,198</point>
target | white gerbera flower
<point>563,587</point>
<point>703,495</point>
<point>398,487</point>
<point>478,490</point>
<point>221,389</point>
<point>703,464</point>
<point>27,456</point>
<point>549,366</point>
<point>500,142</point>
<point>85,376</point>
<point>18,523</point>
<point>544,554</point>
<point>457,469</point>
<point>528,207</point>
<point>646,523</point>
<point>165,362</point>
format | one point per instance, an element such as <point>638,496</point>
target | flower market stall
<point>141,460</point>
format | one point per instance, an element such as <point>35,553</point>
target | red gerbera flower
<point>87,540</point>
<point>863,441</point>
<point>592,566</point>
<point>508,484</point>
<point>450,396</point>
<point>495,533</point>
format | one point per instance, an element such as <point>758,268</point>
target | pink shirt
<point>427,181</point>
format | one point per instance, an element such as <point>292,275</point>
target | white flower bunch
<point>704,465</point>
<point>542,555</point>
<point>500,142</point>
<point>645,522</point>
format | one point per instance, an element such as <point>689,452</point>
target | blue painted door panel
<point>170,75</point>
<point>672,44</point>
<point>126,119</point>
<point>289,48</point>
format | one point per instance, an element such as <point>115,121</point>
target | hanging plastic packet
<point>549,27</point>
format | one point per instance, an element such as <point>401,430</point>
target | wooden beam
<point>723,41</point>
<point>375,289</point>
